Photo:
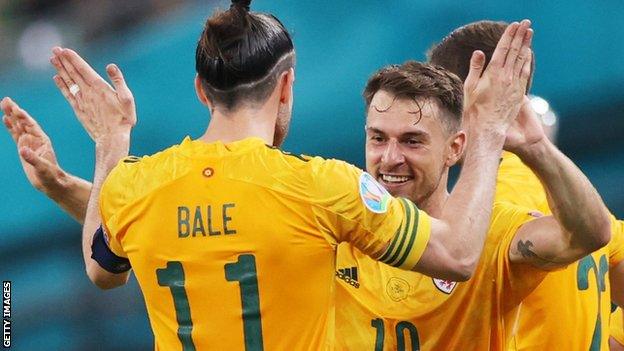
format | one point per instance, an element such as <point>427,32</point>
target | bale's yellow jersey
<point>617,325</point>
<point>233,245</point>
<point>570,308</point>
<point>383,308</point>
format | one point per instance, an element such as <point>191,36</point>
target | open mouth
<point>394,179</point>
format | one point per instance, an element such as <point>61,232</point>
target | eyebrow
<point>416,133</point>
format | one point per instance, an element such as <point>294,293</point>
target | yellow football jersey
<point>233,245</point>
<point>517,184</point>
<point>570,308</point>
<point>383,308</point>
<point>617,325</point>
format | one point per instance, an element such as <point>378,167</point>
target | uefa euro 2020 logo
<point>375,197</point>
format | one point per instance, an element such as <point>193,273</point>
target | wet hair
<point>420,81</point>
<point>455,50</point>
<point>240,55</point>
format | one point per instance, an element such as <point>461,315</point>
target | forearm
<point>574,202</point>
<point>108,154</point>
<point>71,193</point>
<point>468,209</point>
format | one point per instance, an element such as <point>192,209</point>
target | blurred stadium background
<point>580,71</point>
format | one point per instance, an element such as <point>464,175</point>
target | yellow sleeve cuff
<point>410,241</point>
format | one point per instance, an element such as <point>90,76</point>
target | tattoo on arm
<point>524,247</point>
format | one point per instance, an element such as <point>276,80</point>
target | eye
<point>413,142</point>
<point>377,139</point>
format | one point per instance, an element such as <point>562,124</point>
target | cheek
<point>422,164</point>
<point>373,158</point>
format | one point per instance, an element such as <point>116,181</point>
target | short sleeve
<point>617,325</point>
<point>616,244</point>
<point>519,279</point>
<point>114,195</point>
<point>507,218</point>
<point>350,205</point>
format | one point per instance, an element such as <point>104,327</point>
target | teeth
<point>394,179</point>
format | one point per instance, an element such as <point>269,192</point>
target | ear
<point>287,80</point>
<point>201,95</point>
<point>456,144</point>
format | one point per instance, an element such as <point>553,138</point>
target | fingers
<point>28,123</point>
<point>9,126</point>
<point>63,77</point>
<point>41,165</point>
<point>477,62</point>
<point>19,122</point>
<point>80,66</point>
<point>516,44</point>
<point>525,52</point>
<point>525,74</point>
<point>9,107</point>
<point>68,72</point>
<point>60,83</point>
<point>502,48</point>
<point>123,92</point>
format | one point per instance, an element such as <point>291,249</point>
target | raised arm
<point>40,165</point>
<point>491,101</point>
<point>108,114</point>
<point>580,222</point>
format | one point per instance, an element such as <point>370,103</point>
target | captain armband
<point>103,255</point>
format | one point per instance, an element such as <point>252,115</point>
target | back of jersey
<point>232,244</point>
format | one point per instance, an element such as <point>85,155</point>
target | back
<point>233,245</point>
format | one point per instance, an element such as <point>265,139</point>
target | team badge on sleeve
<point>445,286</point>
<point>375,197</point>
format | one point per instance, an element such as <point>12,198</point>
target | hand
<point>525,131</point>
<point>492,100</point>
<point>105,112</point>
<point>34,148</point>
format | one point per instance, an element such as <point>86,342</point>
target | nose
<point>392,155</point>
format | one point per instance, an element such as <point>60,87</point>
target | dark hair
<point>455,50</point>
<point>240,54</point>
<point>417,81</point>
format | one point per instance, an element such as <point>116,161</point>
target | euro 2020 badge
<point>375,197</point>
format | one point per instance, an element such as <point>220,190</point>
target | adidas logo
<point>349,275</point>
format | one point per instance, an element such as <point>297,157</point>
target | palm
<point>42,147</point>
<point>525,130</point>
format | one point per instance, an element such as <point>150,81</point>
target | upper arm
<point>437,261</point>
<point>544,244</point>
<point>349,205</point>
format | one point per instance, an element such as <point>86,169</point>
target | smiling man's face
<point>407,146</point>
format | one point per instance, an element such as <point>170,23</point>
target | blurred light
<point>549,118</point>
<point>540,106</point>
<point>543,110</point>
<point>35,44</point>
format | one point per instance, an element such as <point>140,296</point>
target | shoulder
<point>616,244</point>
<point>508,217</point>
<point>135,176</point>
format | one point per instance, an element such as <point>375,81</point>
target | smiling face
<point>408,148</point>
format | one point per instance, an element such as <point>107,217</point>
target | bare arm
<point>108,115</point>
<point>108,152</point>
<point>40,165</point>
<point>580,223</point>
<point>491,102</point>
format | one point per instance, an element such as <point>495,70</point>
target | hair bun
<point>243,4</point>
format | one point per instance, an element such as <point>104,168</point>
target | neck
<point>240,124</point>
<point>434,202</point>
